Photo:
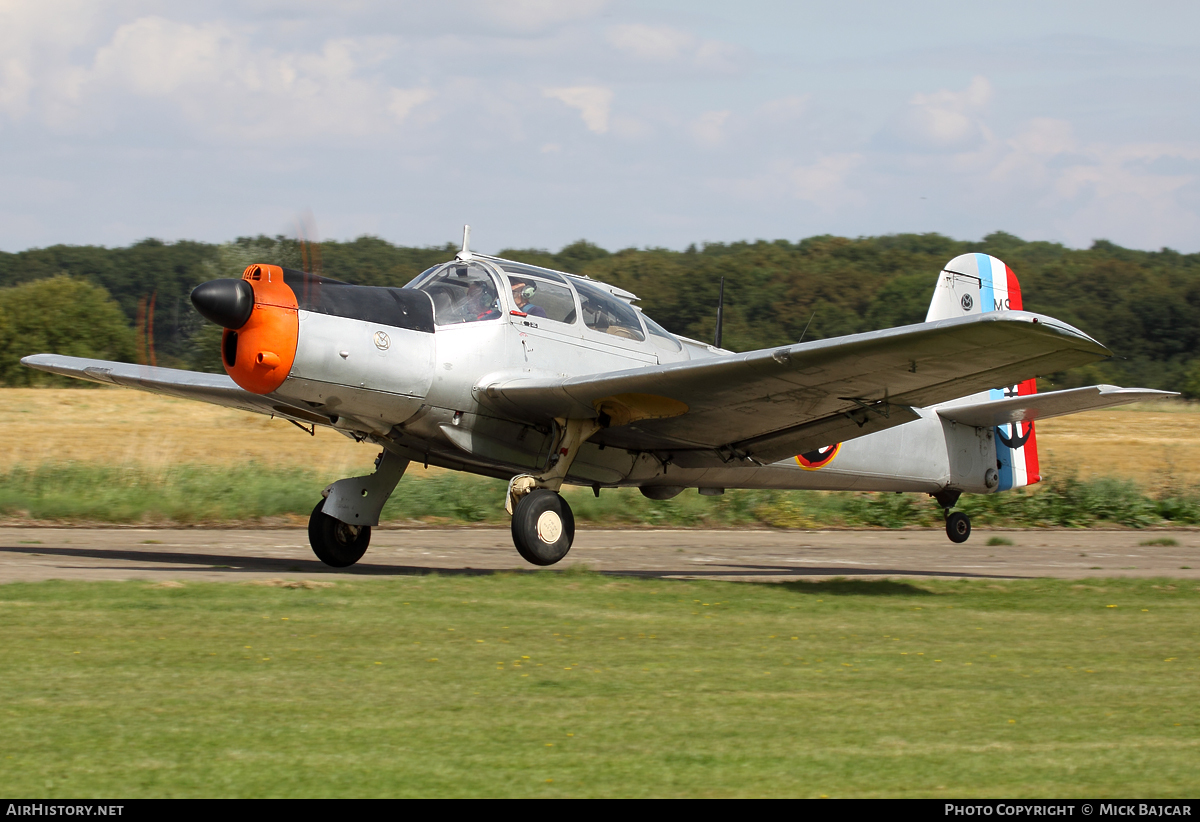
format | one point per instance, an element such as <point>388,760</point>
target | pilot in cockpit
<point>522,293</point>
<point>481,302</point>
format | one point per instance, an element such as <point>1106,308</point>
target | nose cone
<point>227,303</point>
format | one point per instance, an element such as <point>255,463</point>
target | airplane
<point>546,378</point>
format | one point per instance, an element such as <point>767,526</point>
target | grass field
<point>577,684</point>
<point>110,455</point>
<point>251,494</point>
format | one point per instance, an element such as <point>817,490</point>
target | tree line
<point>132,303</point>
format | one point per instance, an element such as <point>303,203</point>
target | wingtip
<point>34,360</point>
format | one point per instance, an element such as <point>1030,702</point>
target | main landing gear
<point>543,527</point>
<point>958,524</point>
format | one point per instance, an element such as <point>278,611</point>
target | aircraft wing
<point>770,404</point>
<point>1051,404</point>
<point>217,389</point>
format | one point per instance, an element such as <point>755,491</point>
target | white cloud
<point>945,119</point>
<point>664,44</point>
<point>153,56</point>
<point>531,16</point>
<point>659,43</point>
<point>709,128</point>
<point>825,182</point>
<point>225,84</point>
<point>593,102</point>
<point>15,85</point>
<point>783,109</point>
<point>405,100</point>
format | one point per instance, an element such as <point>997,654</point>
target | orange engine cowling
<point>259,355</point>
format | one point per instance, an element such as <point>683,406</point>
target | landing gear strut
<point>958,524</point>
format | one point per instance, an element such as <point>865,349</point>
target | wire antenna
<point>805,331</point>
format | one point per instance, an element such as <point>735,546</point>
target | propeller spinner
<point>226,302</point>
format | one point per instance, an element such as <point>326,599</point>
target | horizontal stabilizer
<point>1043,406</point>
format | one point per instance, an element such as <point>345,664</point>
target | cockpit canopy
<point>466,291</point>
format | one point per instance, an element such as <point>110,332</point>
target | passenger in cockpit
<point>522,292</point>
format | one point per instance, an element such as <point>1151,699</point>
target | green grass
<point>573,683</point>
<point>1166,542</point>
<point>199,493</point>
<point>999,541</point>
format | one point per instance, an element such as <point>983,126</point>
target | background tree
<point>59,315</point>
<point>1144,305</point>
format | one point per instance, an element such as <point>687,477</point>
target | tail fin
<point>974,284</point>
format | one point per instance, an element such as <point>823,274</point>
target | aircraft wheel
<point>543,527</point>
<point>958,527</point>
<point>334,542</point>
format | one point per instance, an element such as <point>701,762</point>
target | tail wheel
<point>334,542</point>
<point>543,527</point>
<point>958,527</point>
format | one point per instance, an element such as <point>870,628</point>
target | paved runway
<point>31,554</point>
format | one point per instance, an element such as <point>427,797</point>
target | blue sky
<point>630,124</point>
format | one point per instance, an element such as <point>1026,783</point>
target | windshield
<point>605,313</point>
<point>661,336</point>
<point>462,293</point>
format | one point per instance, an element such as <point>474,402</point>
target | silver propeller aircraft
<point>545,378</point>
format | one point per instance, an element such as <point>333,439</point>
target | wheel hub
<point>549,527</point>
<point>346,534</point>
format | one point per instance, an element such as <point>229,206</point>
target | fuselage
<point>405,366</point>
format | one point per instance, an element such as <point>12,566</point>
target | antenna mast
<point>465,254</point>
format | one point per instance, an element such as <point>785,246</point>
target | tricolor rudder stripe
<point>1016,443</point>
<point>998,286</point>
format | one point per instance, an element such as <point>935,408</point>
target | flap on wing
<point>780,445</point>
<point>759,402</point>
<point>1045,406</point>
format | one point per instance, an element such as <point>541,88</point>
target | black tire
<point>958,527</point>
<point>543,527</point>
<point>334,542</point>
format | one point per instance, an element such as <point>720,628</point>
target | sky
<point>630,124</point>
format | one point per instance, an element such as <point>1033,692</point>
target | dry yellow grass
<point>1153,443</point>
<point>118,426</point>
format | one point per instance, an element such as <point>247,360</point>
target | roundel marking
<point>812,460</point>
<point>382,341</point>
<point>967,302</point>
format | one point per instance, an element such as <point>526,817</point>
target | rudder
<point>975,284</point>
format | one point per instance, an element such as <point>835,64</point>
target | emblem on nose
<point>382,341</point>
